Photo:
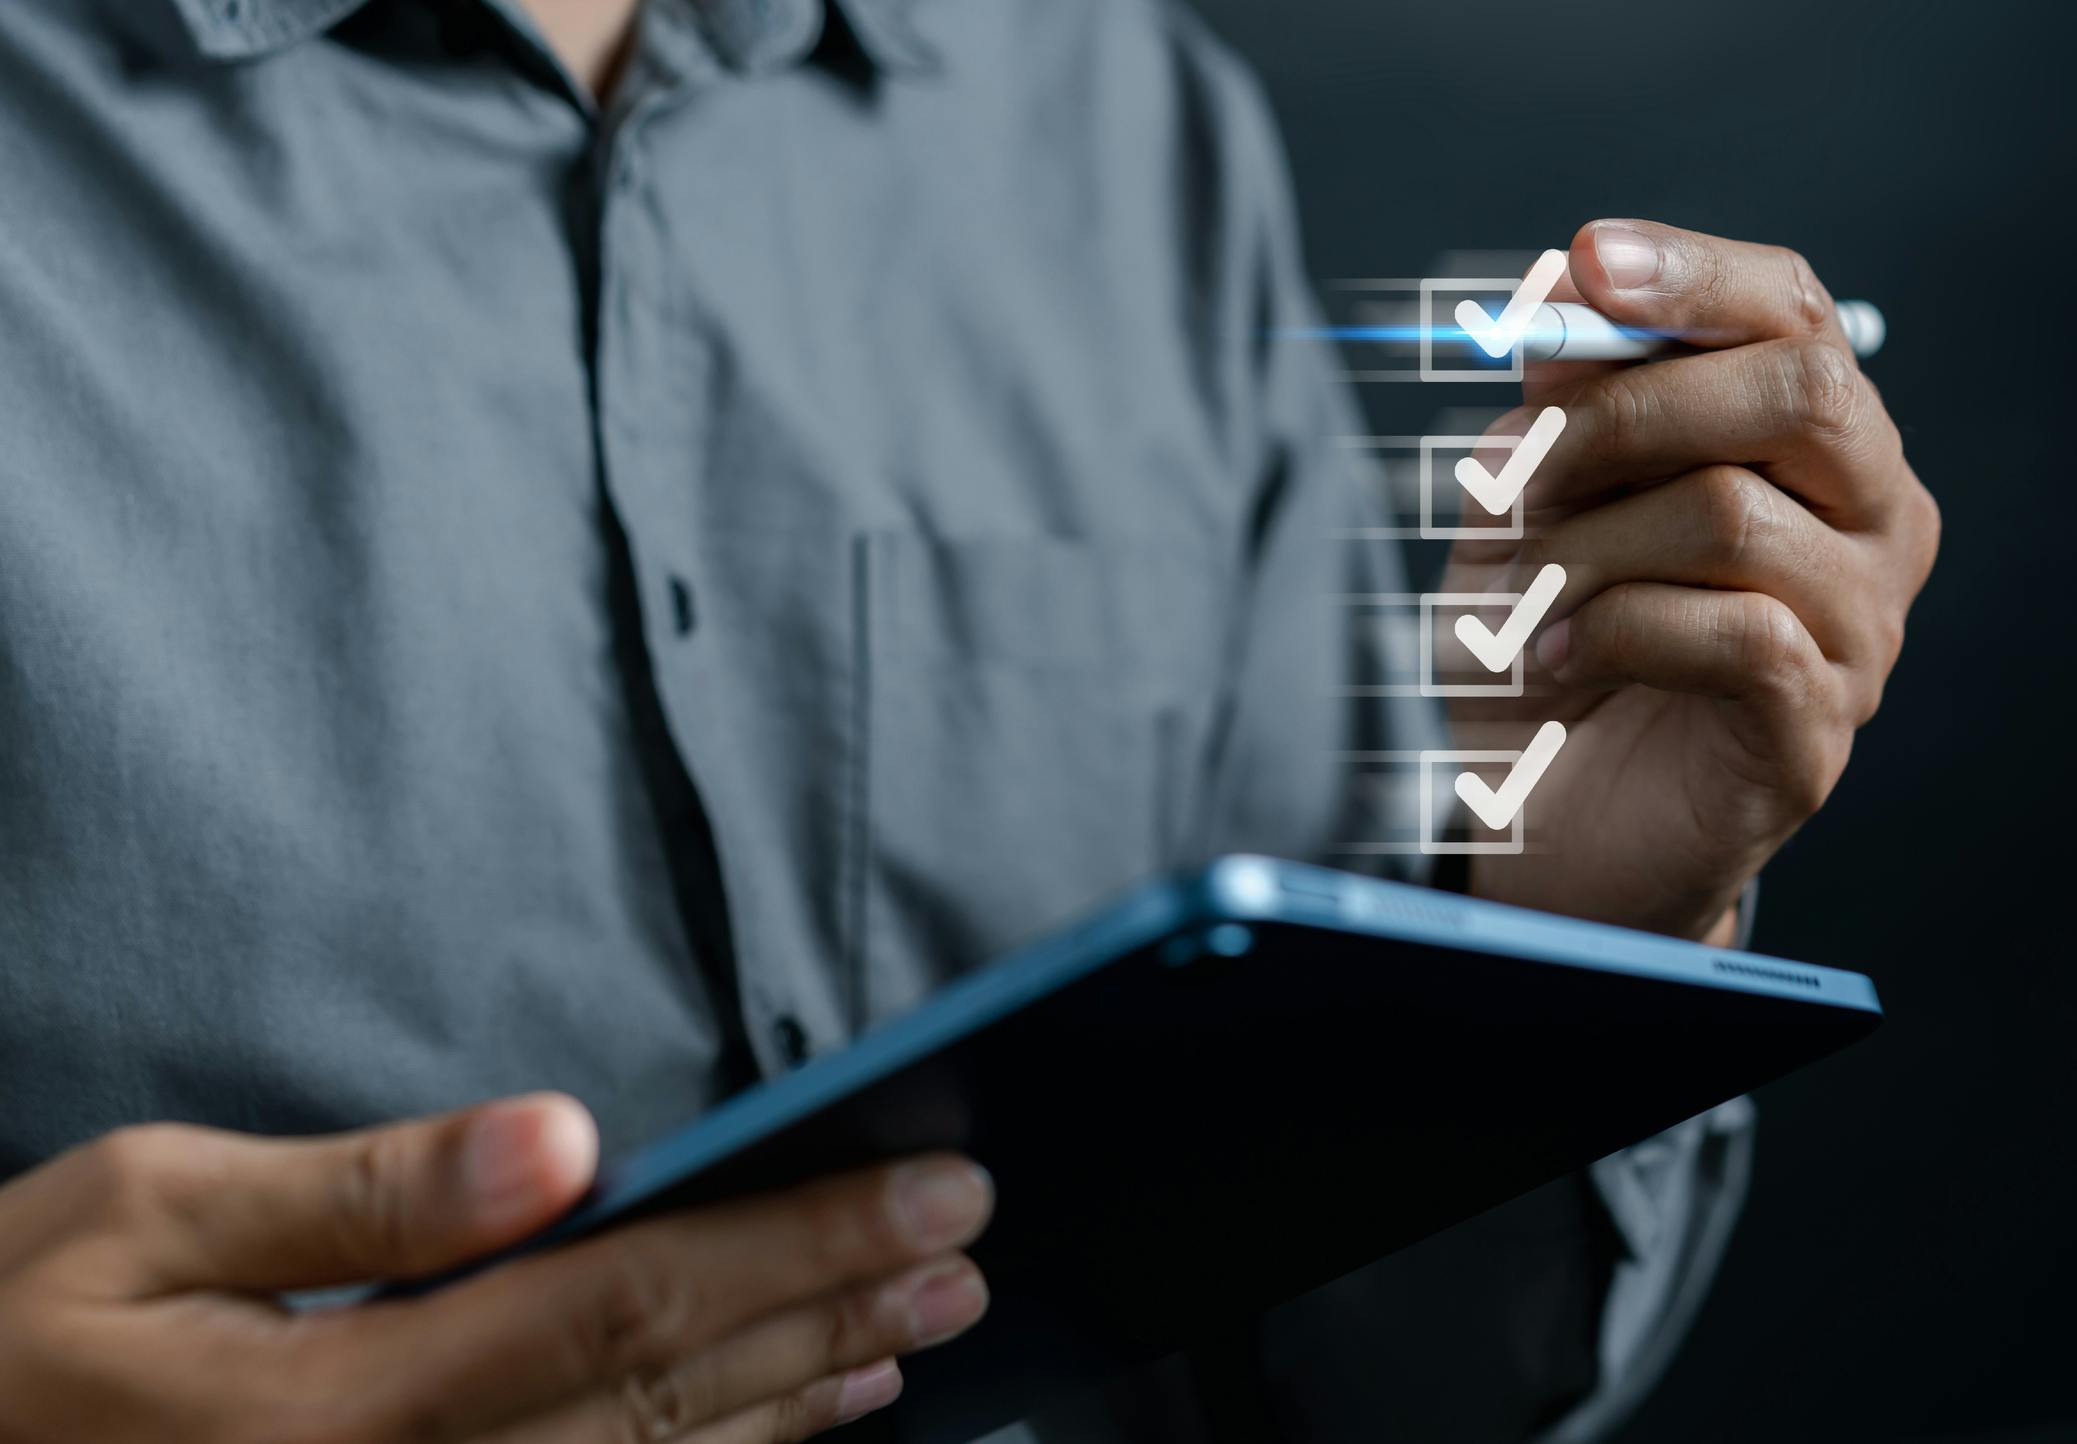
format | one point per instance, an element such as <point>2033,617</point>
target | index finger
<point>541,1330</point>
<point>1706,291</point>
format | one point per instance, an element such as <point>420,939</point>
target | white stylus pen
<point>1569,331</point>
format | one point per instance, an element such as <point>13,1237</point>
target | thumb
<point>1706,291</point>
<point>397,1201</point>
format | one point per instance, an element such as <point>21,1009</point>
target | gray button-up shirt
<point>498,595</point>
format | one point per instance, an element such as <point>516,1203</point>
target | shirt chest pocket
<point>1035,718</point>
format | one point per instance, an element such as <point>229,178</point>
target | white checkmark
<point>1496,807</point>
<point>1497,650</point>
<point>1497,493</point>
<point>1497,336</point>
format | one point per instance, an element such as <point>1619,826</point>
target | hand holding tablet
<point>1332,1066</point>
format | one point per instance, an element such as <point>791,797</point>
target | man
<point>560,545</point>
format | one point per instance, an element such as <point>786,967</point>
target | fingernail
<point>864,1390</point>
<point>516,1153</point>
<point>944,1302</point>
<point>1628,257</point>
<point>942,1204</point>
<point>1515,423</point>
<point>1552,646</point>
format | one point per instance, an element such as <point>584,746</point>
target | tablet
<point>1231,1087</point>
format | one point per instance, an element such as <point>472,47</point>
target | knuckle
<point>1811,783</point>
<point>369,1205</point>
<point>1808,784</point>
<point>1807,297</point>
<point>131,1169</point>
<point>143,1149</point>
<point>699,1388</point>
<point>852,1325</point>
<point>1772,646</point>
<point>634,1313</point>
<point>1927,525</point>
<point>1738,511</point>
<point>651,1407</point>
<point>1825,387</point>
<point>800,1415</point>
<point>1620,411</point>
<point>1886,644</point>
<point>1836,757</point>
<point>1614,628</point>
<point>1885,441</point>
<point>1710,284</point>
<point>1867,700</point>
<point>783,1420</point>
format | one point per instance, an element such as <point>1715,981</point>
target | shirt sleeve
<point>1675,1200</point>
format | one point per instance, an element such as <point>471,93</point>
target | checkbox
<point>1500,604</point>
<point>1402,629</point>
<point>1476,366</point>
<point>1430,531</point>
<point>1439,771</point>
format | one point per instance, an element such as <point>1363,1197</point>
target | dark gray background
<point>1905,1269</point>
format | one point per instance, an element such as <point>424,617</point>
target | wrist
<point>1714,918</point>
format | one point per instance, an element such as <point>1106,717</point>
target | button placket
<point>683,617</point>
<point>651,387</point>
<point>623,374</point>
<point>791,1039</point>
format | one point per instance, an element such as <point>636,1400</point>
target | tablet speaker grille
<point>1377,905</point>
<point>1740,968</point>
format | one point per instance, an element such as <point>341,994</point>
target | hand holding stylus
<point>1741,538</point>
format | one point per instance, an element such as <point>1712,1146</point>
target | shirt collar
<point>748,34</point>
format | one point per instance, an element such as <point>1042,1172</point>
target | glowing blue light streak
<point>1456,335</point>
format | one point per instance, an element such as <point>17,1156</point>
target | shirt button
<point>681,606</point>
<point>791,1038</point>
